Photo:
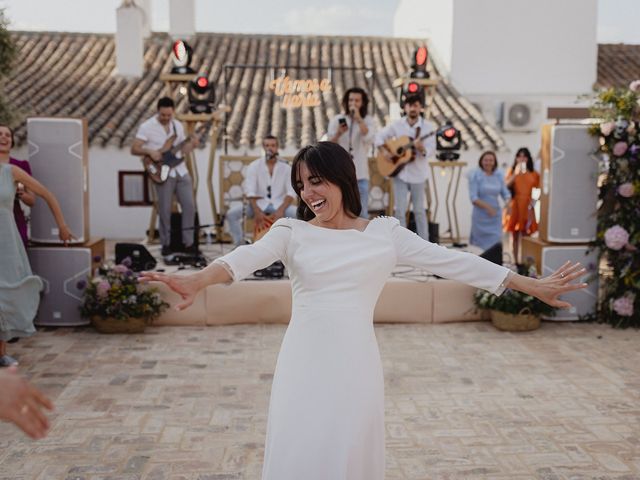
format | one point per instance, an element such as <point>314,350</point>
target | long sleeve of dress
<point>473,186</point>
<point>460,266</point>
<point>504,191</point>
<point>247,259</point>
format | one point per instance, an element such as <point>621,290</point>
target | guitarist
<point>268,189</point>
<point>354,131</point>
<point>413,177</point>
<point>151,137</point>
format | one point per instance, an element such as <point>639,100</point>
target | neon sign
<point>299,93</point>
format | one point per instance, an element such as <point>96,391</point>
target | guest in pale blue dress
<point>19,288</point>
<point>486,184</point>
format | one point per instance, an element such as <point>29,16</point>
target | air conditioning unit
<point>521,116</point>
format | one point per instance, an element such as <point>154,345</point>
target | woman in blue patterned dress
<point>486,184</point>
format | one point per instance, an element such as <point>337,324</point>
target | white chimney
<point>182,18</point>
<point>129,40</point>
<point>145,5</point>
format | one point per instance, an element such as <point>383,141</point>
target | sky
<point>618,20</point>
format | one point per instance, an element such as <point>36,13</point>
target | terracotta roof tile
<point>72,74</point>
<point>618,65</point>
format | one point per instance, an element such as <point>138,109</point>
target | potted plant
<point>116,302</point>
<point>514,311</point>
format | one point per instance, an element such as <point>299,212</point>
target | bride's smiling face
<point>323,198</point>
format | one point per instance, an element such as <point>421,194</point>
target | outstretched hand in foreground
<point>22,404</point>
<point>549,288</point>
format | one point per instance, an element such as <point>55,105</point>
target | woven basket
<point>508,322</point>
<point>113,325</point>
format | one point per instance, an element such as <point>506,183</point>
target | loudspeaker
<point>549,257</point>
<point>61,268</point>
<point>175,242</point>
<point>58,151</point>
<point>140,257</point>
<point>569,184</point>
<point>493,253</point>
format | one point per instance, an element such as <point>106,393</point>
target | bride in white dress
<point>326,415</point>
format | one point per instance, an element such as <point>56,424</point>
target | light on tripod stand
<point>181,53</point>
<point>411,89</point>
<point>448,142</point>
<point>202,95</point>
<point>419,66</point>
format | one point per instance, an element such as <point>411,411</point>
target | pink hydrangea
<point>607,127</point>
<point>623,306</point>
<point>620,148</point>
<point>102,289</point>
<point>120,268</point>
<point>635,86</point>
<point>626,190</point>
<point>616,237</point>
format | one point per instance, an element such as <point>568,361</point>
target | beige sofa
<point>401,301</point>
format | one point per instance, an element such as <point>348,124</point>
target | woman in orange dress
<point>520,219</point>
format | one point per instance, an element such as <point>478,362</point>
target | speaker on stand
<point>58,154</point>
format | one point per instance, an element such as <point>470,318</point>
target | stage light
<point>419,66</point>
<point>448,142</point>
<point>181,54</point>
<point>202,95</point>
<point>411,88</point>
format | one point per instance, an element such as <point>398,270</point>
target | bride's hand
<point>549,288</point>
<point>187,286</point>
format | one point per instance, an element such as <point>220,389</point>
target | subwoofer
<point>58,154</point>
<point>61,270</point>
<point>569,184</point>
<point>551,257</point>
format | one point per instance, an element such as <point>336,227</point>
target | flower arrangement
<point>618,129</point>
<point>512,301</point>
<point>115,292</point>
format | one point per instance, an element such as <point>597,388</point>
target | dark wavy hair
<point>525,151</point>
<point>13,138</point>
<point>333,164</point>
<point>365,101</point>
<point>495,159</point>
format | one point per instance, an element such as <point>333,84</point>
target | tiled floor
<point>464,401</point>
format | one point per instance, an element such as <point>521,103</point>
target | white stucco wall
<point>547,47</point>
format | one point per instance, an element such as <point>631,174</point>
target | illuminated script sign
<point>299,93</point>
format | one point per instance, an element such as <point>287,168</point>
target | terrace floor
<point>463,401</point>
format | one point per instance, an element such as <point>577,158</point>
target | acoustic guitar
<point>401,152</point>
<point>158,171</point>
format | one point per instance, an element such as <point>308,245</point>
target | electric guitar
<point>158,171</point>
<point>402,152</point>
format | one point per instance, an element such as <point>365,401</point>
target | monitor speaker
<point>569,184</point>
<point>493,253</point>
<point>139,256</point>
<point>549,257</point>
<point>61,268</point>
<point>58,154</point>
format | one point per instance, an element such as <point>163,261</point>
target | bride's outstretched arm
<point>188,286</point>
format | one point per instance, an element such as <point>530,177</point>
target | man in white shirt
<point>413,177</point>
<point>354,131</point>
<point>151,136</point>
<point>267,186</point>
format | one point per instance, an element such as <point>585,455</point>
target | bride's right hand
<point>187,286</point>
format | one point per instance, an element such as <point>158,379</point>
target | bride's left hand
<point>549,288</point>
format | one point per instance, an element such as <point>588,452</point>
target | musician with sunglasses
<point>267,187</point>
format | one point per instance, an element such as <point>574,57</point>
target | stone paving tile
<point>463,402</point>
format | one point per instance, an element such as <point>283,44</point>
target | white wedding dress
<point>326,416</point>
